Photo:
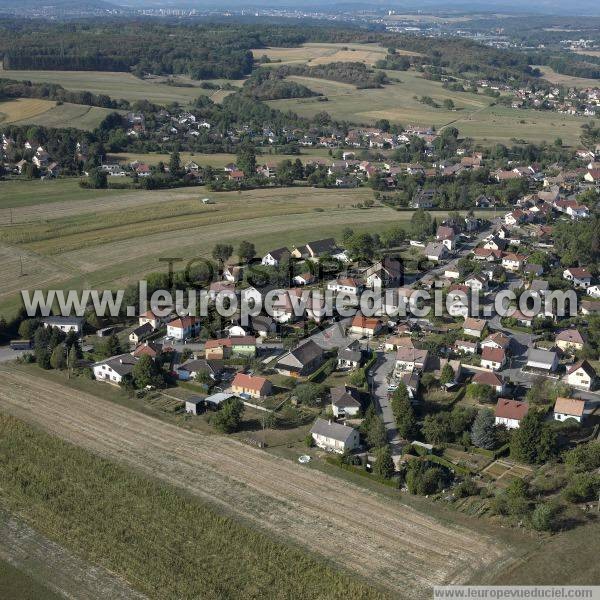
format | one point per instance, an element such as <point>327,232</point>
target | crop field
<point>23,108</point>
<point>114,84</point>
<point>33,567</point>
<point>553,77</point>
<point>399,102</point>
<point>274,495</point>
<point>319,54</point>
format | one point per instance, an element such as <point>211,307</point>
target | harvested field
<point>78,116</point>
<point>552,76</point>
<point>23,108</point>
<point>56,568</point>
<point>383,541</point>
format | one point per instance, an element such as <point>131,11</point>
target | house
<point>191,368</point>
<point>593,291</point>
<point>515,217</point>
<point>542,360</point>
<point>510,412</point>
<point>409,359</point>
<point>251,385</point>
<point>151,349</point>
<point>233,273</point>
<point>522,319</point>
<point>221,289</point>
<point>316,250</point>
<point>579,276</point>
<point>570,339</point>
<point>398,341</point>
<point>569,408</point>
<point>365,326</point>
<point>581,375</point>
<point>140,333</point>
<point>539,288</point>
<point>276,256</point>
<point>435,251</point>
<point>494,380</point>
<point>241,346</point>
<point>65,324</point>
<point>593,176</point>
<point>533,269</point>
<point>183,328</point>
<point>495,243</point>
<point>345,401</point>
<point>150,317</point>
<point>350,357</point>
<point>589,307</point>
<point>423,199</point>
<point>346,285</point>
<point>493,358</point>
<point>513,262</point>
<point>446,236</point>
<point>476,282</point>
<point>386,272</point>
<point>263,325</point>
<point>334,437</point>
<point>497,341</point>
<point>301,361</point>
<point>304,279</point>
<point>115,368</point>
<point>487,254</point>
<point>474,327</point>
<point>466,347</point>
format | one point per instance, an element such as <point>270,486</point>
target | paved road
<point>378,387</point>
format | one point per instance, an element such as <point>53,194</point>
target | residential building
<point>510,412</point>
<point>494,380</point>
<point>542,360</point>
<point>301,361</point>
<point>65,324</point>
<point>581,375</point>
<point>350,357</point>
<point>569,408</point>
<point>276,256</point>
<point>114,369</point>
<point>334,437</point>
<point>493,358</point>
<point>345,401</point>
<point>474,327</point>
<point>579,276</point>
<point>570,339</point>
<point>251,385</point>
<point>365,326</point>
<point>183,328</point>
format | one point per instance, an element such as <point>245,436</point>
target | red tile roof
<point>511,409</point>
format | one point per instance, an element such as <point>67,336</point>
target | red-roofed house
<point>580,276</point>
<point>569,408</point>
<point>362,325</point>
<point>493,358</point>
<point>510,412</point>
<point>183,328</point>
<point>251,385</point>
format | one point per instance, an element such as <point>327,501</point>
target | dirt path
<point>392,544</point>
<point>55,567</point>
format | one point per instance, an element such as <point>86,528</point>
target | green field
<point>473,116</point>
<point>165,544</point>
<point>568,80</point>
<point>116,85</point>
<point>18,585</point>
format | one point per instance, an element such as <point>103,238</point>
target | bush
<point>465,488</point>
<point>544,517</point>
<point>584,486</point>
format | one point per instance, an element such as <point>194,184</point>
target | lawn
<point>113,84</point>
<point>23,108</point>
<point>170,545</point>
<point>399,102</point>
<point>568,80</point>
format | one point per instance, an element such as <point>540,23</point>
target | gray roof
<point>195,365</point>
<point>218,398</point>
<point>345,396</point>
<point>537,355</point>
<point>302,355</point>
<point>350,354</point>
<point>121,364</point>
<point>539,285</point>
<point>332,430</point>
<point>322,246</point>
<point>144,329</point>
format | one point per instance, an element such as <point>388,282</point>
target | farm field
<point>115,240</point>
<point>399,103</point>
<point>47,113</point>
<point>553,77</point>
<point>114,84</point>
<point>33,567</point>
<point>319,54</point>
<point>588,52</point>
<point>252,485</point>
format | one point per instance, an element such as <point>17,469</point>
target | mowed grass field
<point>552,76</point>
<point>103,239</point>
<point>319,54</point>
<point>47,113</point>
<point>399,102</point>
<point>114,84</point>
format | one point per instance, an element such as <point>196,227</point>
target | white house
<point>494,380</point>
<point>497,340</point>
<point>274,257</point>
<point>345,401</point>
<point>579,276</point>
<point>474,327</point>
<point>334,437</point>
<point>65,324</point>
<point>476,282</point>
<point>115,368</point>
<point>581,375</point>
<point>569,408</point>
<point>510,412</point>
<point>446,236</point>
<point>183,328</point>
<point>593,291</point>
<point>493,358</point>
<point>435,251</point>
<point>513,262</point>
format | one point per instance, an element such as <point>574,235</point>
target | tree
<point>98,179</point>
<point>246,159</point>
<point>421,224</point>
<point>222,252</point>
<point>112,346</point>
<point>482,392</point>
<point>73,356</point>
<point>384,464</point>
<point>423,479</point>
<point>174,164</point>
<point>58,359</point>
<point>145,373</point>
<point>437,429</point>
<point>404,413</point>
<point>448,104</point>
<point>376,434</point>
<point>483,431</point>
<point>447,374</point>
<point>543,517</point>
<point>246,251</point>
<point>533,441</point>
<point>229,416</point>
<point>27,328</point>
<point>585,457</point>
<point>309,393</point>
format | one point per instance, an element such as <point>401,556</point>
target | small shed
<point>193,405</point>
